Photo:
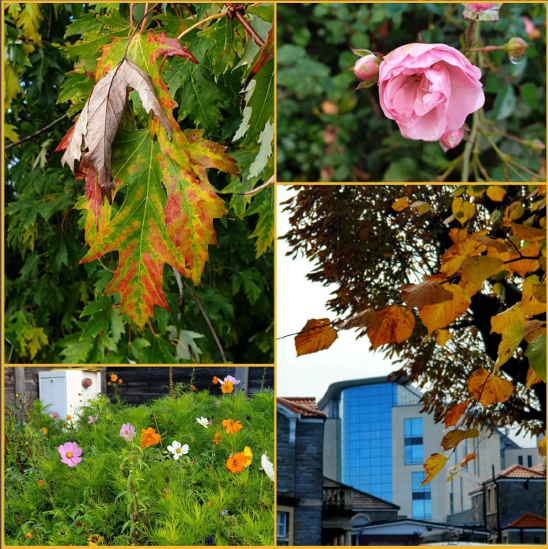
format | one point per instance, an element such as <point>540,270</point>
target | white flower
<point>203,421</point>
<point>233,380</point>
<point>177,450</point>
<point>267,466</point>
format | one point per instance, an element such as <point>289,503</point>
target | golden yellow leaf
<point>442,337</point>
<point>453,258</point>
<point>432,466</point>
<point>316,335</point>
<point>425,293</point>
<point>455,413</point>
<point>478,269</point>
<point>29,20</point>
<point>452,438</point>
<point>532,378</point>
<point>397,326</point>
<point>512,212</point>
<point>530,264</point>
<point>533,329</point>
<point>497,243</point>
<point>442,314</point>
<point>488,388</point>
<point>539,292</point>
<point>529,234</point>
<point>542,447</point>
<point>458,235</point>
<point>531,305</point>
<point>500,322</point>
<point>468,458</point>
<point>366,319</point>
<point>420,207</point>
<point>11,133</point>
<point>400,204</point>
<point>496,193</point>
<point>463,210</point>
<point>512,336</point>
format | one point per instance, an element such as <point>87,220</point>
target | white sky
<point>299,299</point>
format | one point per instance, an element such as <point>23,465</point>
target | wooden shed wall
<point>30,383</point>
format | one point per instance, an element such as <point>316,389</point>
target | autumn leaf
<point>497,243</point>
<point>366,319</point>
<point>533,329</point>
<point>442,314</point>
<point>536,353</point>
<point>529,234</point>
<point>539,292</point>
<point>453,258</point>
<point>542,447</point>
<point>400,204</point>
<point>512,336</point>
<point>316,335</point>
<point>442,337</point>
<point>467,459</point>
<point>531,305</point>
<point>452,438</point>
<point>463,210</point>
<point>500,322</point>
<point>512,212</point>
<point>478,269</point>
<point>455,413</point>
<point>529,263</point>
<point>420,207</point>
<point>496,193</point>
<point>397,326</point>
<point>532,378</point>
<point>425,293</point>
<point>432,466</point>
<point>488,388</point>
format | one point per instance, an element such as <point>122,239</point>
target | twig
<point>245,24</point>
<point>219,15</point>
<point>206,318</point>
<point>257,189</point>
<point>39,132</point>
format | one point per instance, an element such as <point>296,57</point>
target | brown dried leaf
<point>425,293</point>
<point>366,319</point>
<point>316,335</point>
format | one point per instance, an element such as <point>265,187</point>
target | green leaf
<point>263,206</point>
<point>536,353</point>
<point>528,93</point>
<point>505,103</point>
<point>261,160</point>
<point>404,169</point>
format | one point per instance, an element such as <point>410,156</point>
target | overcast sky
<point>298,300</point>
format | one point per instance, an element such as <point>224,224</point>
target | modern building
<point>512,505</point>
<point>528,457</point>
<point>376,440</point>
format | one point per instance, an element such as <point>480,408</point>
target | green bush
<point>126,495</point>
<point>327,131</point>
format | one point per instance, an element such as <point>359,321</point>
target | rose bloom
<point>127,431</point>
<point>236,462</point>
<point>149,437</point>
<point>429,89</point>
<point>477,7</point>
<point>451,139</point>
<point>70,453</point>
<point>532,32</point>
<point>231,426</point>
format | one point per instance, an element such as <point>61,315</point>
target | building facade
<point>376,440</point>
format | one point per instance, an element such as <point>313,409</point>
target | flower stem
<point>468,148</point>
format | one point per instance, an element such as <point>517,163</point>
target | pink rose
<point>481,12</point>
<point>367,68</point>
<point>532,32</point>
<point>479,6</point>
<point>451,139</point>
<point>429,89</point>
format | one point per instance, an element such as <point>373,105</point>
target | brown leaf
<point>432,466</point>
<point>455,413</point>
<point>529,234</point>
<point>532,378</point>
<point>397,326</point>
<point>98,122</point>
<point>366,319</point>
<point>533,329</point>
<point>451,439</point>
<point>441,315</point>
<point>468,458</point>
<point>488,388</point>
<point>316,335</point>
<point>425,293</point>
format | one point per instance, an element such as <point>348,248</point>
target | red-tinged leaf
<point>267,52</point>
<point>467,459</point>
<point>316,335</point>
<point>425,293</point>
<point>168,46</point>
<point>455,413</point>
<point>64,143</point>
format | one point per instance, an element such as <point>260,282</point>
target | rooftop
<point>309,402</point>
<point>294,405</point>
<point>527,520</point>
<point>361,500</point>
<point>516,471</point>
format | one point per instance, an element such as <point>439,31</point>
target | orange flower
<point>44,430</point>
<point>193,387</point>
<point>28,535</point>
<point>236,462</point>
<point>191,439</point>
<point>119,381</point>
<point>231,426</point>
<point>227,387</point>
<point>69,418</point>
<point>108,383</point>
<point>217,439</point>
<point>40,483</point>
<point>113,377</point>
<point>149,437</point>
<point>215,380</point>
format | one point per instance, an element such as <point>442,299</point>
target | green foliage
<point>328,131</point>
<point>179,502</point>
<point>55,309</point>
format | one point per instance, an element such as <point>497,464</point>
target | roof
<point>297,408</point>
<point>541,467</point>
<point>335,389</point>
<point>527,520</point>
<point>361,500</point>
<point>517,472</point>
<point>309,402</point>
<point>427,523</point>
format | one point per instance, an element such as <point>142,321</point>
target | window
<point>529,461</point>
<point>283,519</point>
<point>461,496</point>
<point>520,460</point>
<point>413,441</point>
<point>422,498</point>
<point>284,526</point>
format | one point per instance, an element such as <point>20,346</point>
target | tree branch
<point>36,134</point>
<point>249,29</point>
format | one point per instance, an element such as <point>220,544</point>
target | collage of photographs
<point>273,273</point>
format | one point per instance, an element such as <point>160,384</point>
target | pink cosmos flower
<point>70,454</point>
<point>127,431</point>
<point>451,139</point>
<point>429,89</point>
<point>93,419</point>
<point>233,380</point>
<point>54,415</point>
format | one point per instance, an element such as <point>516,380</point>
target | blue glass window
<point>422,497</point>
<point>413,453</point>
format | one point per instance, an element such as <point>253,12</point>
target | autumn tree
<point>157,248</point>
<point>448,282</point>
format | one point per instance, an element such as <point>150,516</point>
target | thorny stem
<point>219,15</point>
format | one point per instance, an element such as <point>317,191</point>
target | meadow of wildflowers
<point>193,468</point>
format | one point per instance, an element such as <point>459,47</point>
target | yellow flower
<point>249,456</point>
<point>227,387</point>
<point>40,483</point>
<point>94,539</point>
<point>69,418</point>
<point>28,535</point>
<point>113,377</point>
<point>44,430</point>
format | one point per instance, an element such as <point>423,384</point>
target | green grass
<point>174,502</point>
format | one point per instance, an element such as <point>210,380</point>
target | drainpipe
<point>484,507</point>
<point>499,531</point>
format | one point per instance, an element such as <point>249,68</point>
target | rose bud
<point>532,32</point>
<point>516,47</point>
<point>450,139</point>
<point>366,68</point>
<point>481,12</point>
